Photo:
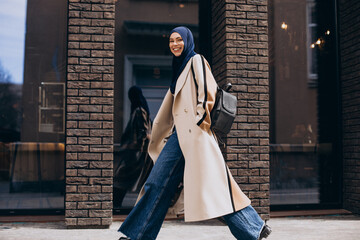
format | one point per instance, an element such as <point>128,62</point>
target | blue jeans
<point>145,219</point>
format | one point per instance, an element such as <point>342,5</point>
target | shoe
<point>265,232</point>
<point>124,238</point>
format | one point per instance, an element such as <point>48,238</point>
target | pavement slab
<point>335,227</point>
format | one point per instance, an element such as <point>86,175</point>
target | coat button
<point>185,110</point>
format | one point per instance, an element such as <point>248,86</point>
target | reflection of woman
<point>182,129</point>
<point>131,170</point>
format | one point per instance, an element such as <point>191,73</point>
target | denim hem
<point>260,231</point>
<point>140,235</point>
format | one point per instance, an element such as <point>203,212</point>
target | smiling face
<point>176,44</point>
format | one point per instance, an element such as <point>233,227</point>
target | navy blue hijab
<point>179,63</point>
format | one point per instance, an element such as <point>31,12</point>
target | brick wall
<point>350,81</point>
<point>240,56</point>
<point>89,123</point>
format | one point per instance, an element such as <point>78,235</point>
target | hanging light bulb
<point>284,26</point>
<point>318,42</point>
<point>327,32</point>
<point>312,45</point>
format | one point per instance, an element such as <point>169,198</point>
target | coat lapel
<point>182,78</point>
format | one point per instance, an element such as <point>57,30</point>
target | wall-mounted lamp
<point>284,26</point>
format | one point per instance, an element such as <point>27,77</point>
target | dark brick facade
<point>350,68</point>
<point>89,114</point>
<point>240,56</point>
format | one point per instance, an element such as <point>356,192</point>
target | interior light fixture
<point>284,26</point>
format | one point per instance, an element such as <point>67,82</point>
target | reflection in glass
<point>294,167</point>
<point>52,107</point>
<point>305,146</point>
<point>312,43</point>
<point>132,163</point>
<point>32,87</point>
<point>142,58</point>
<point>154,81</point>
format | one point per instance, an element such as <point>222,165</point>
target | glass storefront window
<point>304,129</point>
<point>294,167</point>
<point>32,103</point>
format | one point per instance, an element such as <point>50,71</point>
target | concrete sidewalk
<point>289,228</point>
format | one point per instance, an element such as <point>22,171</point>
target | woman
<point>134,164</point>
<point>184,149</point>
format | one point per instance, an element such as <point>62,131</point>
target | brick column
<point>350,88</point>
<point>89,114</point>
<point>240,56</point>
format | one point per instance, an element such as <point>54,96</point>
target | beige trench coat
<point>209,189</point>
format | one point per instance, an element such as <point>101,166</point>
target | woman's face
<point>176,44</point>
